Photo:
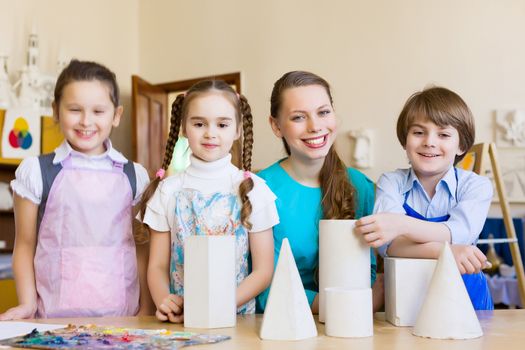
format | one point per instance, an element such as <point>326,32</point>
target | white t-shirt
<point>210,177</point>
<point>28,176</point>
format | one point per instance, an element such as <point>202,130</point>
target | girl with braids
<point>75,253</point>
<point>312,183</point>
<point>211,197</point>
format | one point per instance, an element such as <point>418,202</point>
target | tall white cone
<point>287,315</point>
<point>447,312</point>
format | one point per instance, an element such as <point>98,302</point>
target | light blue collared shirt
<point>467,212</point>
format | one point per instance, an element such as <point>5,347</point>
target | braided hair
<point>179,111</point>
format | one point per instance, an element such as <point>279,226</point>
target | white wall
<point>374,53</point>
<point>99,30</point>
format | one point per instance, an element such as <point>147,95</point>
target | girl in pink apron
<point>211,197</point>
<point>74,252</point>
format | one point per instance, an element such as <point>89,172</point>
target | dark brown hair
<point>87,71</point>
<point>179,112</point>
<point>442,107</point>
<point>338,194</point>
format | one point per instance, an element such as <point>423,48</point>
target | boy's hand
<point>379,229</point>
<point>18,312</point>
<point>171,309</point>
<point>468,258</point>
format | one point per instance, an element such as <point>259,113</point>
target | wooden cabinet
<point>7,218</point>
<point>8,293</point>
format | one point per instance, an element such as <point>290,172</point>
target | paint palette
<point>102,337</point>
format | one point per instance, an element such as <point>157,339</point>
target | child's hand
<point>171,309</point>
<point>468,258</point>
<point>18,312</point>
<point>379,229</point>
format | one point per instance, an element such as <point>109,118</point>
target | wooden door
<point>149,123</point>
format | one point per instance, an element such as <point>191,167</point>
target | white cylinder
<point>344,259</point>
<point>349,313</point>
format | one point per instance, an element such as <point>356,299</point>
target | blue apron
<point>476,284</point>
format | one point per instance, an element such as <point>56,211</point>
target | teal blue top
<point>299,209</point>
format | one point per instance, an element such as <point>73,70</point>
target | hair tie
<point>160,173</point>
<point>247,174</point>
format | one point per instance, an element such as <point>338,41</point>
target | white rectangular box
<point>406,285</point>
<point>209,282</point>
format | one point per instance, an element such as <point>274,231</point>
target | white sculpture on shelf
<point>209,282</point>
<point>287,315</point>
<point>7,96</point>
<point>447,312</point>
<point>33,88</point>
<point>510,127</point>
<point>28,96</point>
<point>362,151</point>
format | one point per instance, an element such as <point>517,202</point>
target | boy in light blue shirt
<point>419,208</point>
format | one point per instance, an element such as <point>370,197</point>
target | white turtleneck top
<point>219,176</point>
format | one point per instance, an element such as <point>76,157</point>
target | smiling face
<point>211,126</point>
<point>431,149</point>
<point>306,120</point>
<point>86,115</point>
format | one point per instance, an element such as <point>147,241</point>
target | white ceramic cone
<point>287,315</point>
<point>447,312</point>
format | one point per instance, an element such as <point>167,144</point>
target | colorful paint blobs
<point>20,137</point>
<point>98,337</point>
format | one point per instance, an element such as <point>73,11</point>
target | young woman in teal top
<point>312,183</point>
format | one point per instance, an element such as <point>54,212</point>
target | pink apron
<point>85,260</point>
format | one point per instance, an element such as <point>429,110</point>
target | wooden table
<point>503,329</point>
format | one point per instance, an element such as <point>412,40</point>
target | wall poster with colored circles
<point>21,133</point>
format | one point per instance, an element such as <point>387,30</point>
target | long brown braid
<point>338,201</point>
<point>247,146</point>
<point>178,114</point>
<point>173,136</point>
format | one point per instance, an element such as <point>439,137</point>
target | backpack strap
<point>129,170</point>
<point>49,172</point>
